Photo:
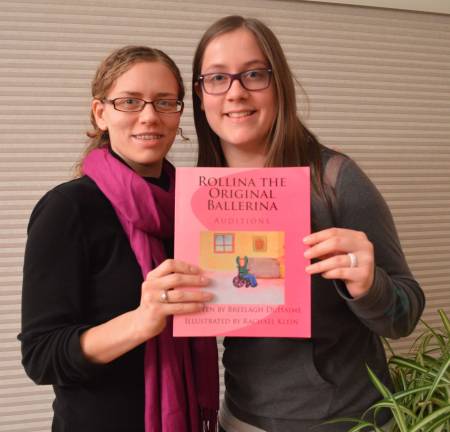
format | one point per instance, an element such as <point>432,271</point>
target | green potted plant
<point>420,401</point>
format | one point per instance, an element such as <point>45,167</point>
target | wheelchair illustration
<point>244,278</point>
<point>239,282</point>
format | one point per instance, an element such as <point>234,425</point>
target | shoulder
<point>359,203</point>
<point>77,190</point>
<point>341,171</point>
<point>69,201</point>
<point>332,163</point>
<point>353,192</point>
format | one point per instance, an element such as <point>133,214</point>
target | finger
<point>323,235</point>
<point>328,264</point>
<point>174,280</point>
<point>344,273</point>
<point>329,233</point>
<point>332,246</point>
<point>185,296</point>
<point>183,308</point>
<point>172,266</point>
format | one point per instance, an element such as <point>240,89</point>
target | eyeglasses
<point>127,104</point>
<point>220,82</point>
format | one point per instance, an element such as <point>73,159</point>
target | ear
<point>98,110</point>
<point>199,93</point>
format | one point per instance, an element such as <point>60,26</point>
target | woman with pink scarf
<point>98,291</point>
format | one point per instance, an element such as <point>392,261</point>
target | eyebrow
<point>140,95</point>
<point>246,64</point>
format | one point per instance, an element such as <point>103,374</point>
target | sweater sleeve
<point>394,303</point>
<point>54,275</point>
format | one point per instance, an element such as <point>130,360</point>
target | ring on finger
<point>164,296</point>
<point>353,260</point>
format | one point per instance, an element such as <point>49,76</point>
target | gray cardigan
<point>290,385</point>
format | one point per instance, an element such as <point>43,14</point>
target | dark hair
<point>290,143</point>
<point>109,70</point>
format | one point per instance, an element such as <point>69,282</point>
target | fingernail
<point>307,239</point>
<point>208,296</point>
<point>193,269</point>
<point>204,280</point>
<point>307,253</point>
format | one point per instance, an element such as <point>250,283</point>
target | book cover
<point>244,227</point>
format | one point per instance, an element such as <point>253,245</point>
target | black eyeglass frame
<point>233,77</point>
<point>180,104</point>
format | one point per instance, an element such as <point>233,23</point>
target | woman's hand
<point>160,296</point>
<point>343,254</point>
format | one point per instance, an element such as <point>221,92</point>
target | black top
<point>80,271</point>
<point>289,385</point>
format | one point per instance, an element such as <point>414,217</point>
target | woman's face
<point>242,119</point>
<point>141,138</point>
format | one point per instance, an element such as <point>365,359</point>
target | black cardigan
<point>79,272</point>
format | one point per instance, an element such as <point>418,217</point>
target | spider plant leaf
<point>439,338</point>
<point>382,389</point>
<point>434,427</point>
<point>439,377</point>
<point>445,321</point>
<point>408,363</point>
<point>431,362</point>
<point>429,422</point>
<point>404,383</point>
<point>412,391</point>
<point>388,346</point>
<point>392,405</point>
<point>343,420</point>
<point>385,392</point>
<point>440,402</point>
<point>363,425</point>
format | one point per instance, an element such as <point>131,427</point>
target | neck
<point>144,170</point>
<point>244,158</point>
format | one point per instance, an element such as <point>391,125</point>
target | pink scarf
<point>181,374</point>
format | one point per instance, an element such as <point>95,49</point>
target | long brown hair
<point>109,70</point>
<point>291,143</point>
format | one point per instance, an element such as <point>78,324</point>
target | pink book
<point>244,227</point>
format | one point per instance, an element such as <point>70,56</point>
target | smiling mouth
<point>147,137</point>
<point>240,114</point>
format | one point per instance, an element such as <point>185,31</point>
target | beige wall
<point>434,6</point>
<point>378,83</point>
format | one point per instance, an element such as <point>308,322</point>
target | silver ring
<point>164,296</point>
<point>353,260</point>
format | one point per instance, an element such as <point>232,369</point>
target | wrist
<point>144,325</point>
<point>137,331</point>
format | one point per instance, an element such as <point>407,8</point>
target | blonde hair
<point>290,142</point>
<point>109,70</point>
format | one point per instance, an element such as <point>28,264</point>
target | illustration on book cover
<point>244,228</point>
<point>244,259</point>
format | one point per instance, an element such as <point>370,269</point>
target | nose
<point>237,90</point>
<point>149,114</point>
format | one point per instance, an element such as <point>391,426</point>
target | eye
<point>131,102</point>
<point>166,103</point>
<point>216,78</point>
<point>163,103</point>
<point>128,102</point>
<point>256,74</point>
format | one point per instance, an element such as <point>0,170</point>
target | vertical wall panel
<point>378,85</point>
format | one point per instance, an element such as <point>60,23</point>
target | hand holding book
<point>342,254</point>
<point>161,298</point>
